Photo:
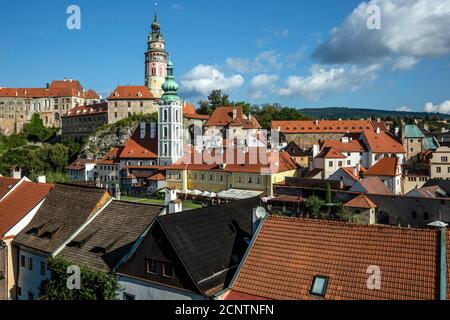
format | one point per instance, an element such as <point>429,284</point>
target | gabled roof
<point>383,142</point>
<point>223,116</point>
<point>371,185</point>
<point>93,109</point>
<point>80,164</point>
<point>413,131</point>
<point>111,157</point>
<point>353,145</point>
<point>212,241</point>
<point>131,93</point>
<point>6,184</point>
<point>350,171</point>
<point>65,210</point>
<point>236,160</point>
<point>361,201</point>
<point>295,151</point>
<point>103,243</point>
<point>141,148</point>
<point>385,167</point>
<point>21,201</point>
<point>58,88</point>
<point>330,153</point>
<point>289,252</point>
<point>189,112</point>
<point>323,126</point>
<point>443,184</point>
<point>428,192</point>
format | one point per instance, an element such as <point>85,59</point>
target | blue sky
<point>259,51</point>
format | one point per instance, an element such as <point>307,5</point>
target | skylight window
<point>319,286</point>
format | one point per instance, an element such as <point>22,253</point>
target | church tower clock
<point>156,58</point>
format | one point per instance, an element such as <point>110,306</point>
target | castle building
<point>156,58</point>
<point>170,122</point>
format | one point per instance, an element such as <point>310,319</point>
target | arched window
<point>178,115</point>
<point>57,116</point>
<point>165,133</point>
<point>165,149</point>
<point>177,133</point>
<point>165,115</point>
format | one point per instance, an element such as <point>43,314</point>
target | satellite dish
<point>260,212</point>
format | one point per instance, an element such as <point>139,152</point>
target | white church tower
<point>170,122</point>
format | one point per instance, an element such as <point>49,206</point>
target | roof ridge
<point>362,226</point>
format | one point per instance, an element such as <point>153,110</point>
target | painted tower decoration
<point>170,121</point>
<point>156,58</point>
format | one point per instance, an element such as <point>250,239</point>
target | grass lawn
<point>186,204</point>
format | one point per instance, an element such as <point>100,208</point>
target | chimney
<point>16,172</point>
<point>378,120</point>
<point>378,130</point>
<point>316,150</point>
<point>442,251</point>
<point>317,122</point>
<point>41,179</point>
<point>396,132</point>
<point>344,139</point>
<point>234,113</point>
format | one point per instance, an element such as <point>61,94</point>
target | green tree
<point>268,112</point>
<point>35,130</point>
<point>95,285</point>
<point>74,149</point>
<point>314,205</point>
<point>216,99</point>
<point>345,215</point>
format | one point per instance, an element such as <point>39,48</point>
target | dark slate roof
<point>111,235</point>
<point>212,241</point>
<point>295,151</point>
<point>65,210</point>
<point>443,184</point>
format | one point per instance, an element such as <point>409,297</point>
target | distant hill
<point>356,113</point>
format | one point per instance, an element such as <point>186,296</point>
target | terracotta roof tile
<point>361,201</point>
<point>6,184</point>
<point>385,167</point>
<point>383,142</point>
<point>223,116</point>
<point>131,93</point>
<point>330,153</point>
<point>137,148</point>
<point>16,205</point>
<point>92,109</point>
<point>323,126</point>
<point>353,145</point>
<point>289,252</point>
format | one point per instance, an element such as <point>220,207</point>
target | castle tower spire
<point>156,58</point>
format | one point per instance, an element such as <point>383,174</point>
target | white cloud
<point>263,80</point>
<point>261,85</point>
<point>411,30</point>
<point>404,109</point>
<point>264,61</point>
<point>326,80</point>
<point>444,107</point>
<point>202,79</point>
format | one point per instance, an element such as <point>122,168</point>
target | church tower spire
<point>156,58</point>
<point>170,122</point>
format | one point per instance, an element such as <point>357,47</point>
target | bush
<point>95,285</point>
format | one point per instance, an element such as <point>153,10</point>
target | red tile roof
<point>361,201</point>
<point>236,160</point>
<point>223,116</point>
<point>110,158</point>
<point>24,198</point>
<point>323,126</point>
<point>92,109</point>
<point>6,184</point>
<point>157,177</point>
<point>385,167</point>
<point>189,112</point>
<point>58,88</point>
<point>289,252</point>
<point>137,148</point>
<point>351,172</point>
<point>80,164</point>
<point>372,185</point>
<point>353,145</point>
<point>131,93</point>
<point>330,153</point>
<point>383,142</point>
